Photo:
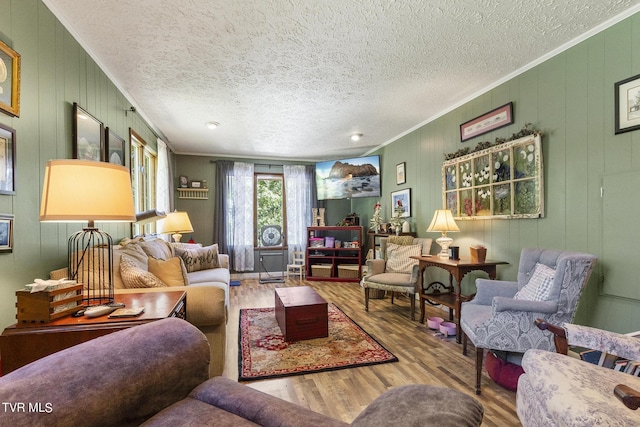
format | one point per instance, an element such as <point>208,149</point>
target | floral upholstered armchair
<point>561,390</point>
<point>502,314</point>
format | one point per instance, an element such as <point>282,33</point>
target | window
<point>269,205</point>
<point>143,180</point>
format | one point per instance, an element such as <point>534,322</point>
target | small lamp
<point>443,221</point>
<point>79,191</point>
<point>175,224</point>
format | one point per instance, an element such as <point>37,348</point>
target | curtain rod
<point>255,164</point>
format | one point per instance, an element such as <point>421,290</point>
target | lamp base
<point>444,243</point>
<point>176,237</point>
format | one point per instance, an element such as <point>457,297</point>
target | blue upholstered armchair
<point>502,314</point>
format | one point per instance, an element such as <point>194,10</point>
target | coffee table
<point>22,344</point>
<point>301,313</point>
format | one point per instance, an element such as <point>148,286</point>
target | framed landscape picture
<point>494,119</point>
<point>88,135</point>
<point>627,104</point>
<point>7,160</point>
<point>114,148</point>
<point>6,233</point>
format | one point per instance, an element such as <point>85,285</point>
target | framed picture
<point>184,181</point>
<point>495,119</point>
<point>401,199</point>
<point>88,135</point>
<point>627,104</point>
<point>400,173</point>
<point>196,184</point>
<point>9,80</point>
<point>7,160</point>
<point>114,148</point>
<point>6,233</point>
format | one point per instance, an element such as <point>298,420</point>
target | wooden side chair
<point>297,265</point>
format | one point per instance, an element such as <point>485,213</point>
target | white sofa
<point>207,288</point>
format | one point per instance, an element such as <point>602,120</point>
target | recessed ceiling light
<point>213,125</point>
<point>356,137</point>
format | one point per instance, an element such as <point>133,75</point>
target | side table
<point>452,297</point>
<point>24,343</point>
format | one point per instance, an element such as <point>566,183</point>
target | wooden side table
<point>24,343</point>
<point>451,297</point>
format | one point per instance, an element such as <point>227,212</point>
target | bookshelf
<point>329,261</point>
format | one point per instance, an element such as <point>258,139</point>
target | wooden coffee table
<point>22,344</point>
<point>301,313</point>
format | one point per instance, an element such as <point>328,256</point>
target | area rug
<point>263,353</point>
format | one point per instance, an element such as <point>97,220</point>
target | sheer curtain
<point>233,217</point>
<point>164,188</point>
<point>299,184</point>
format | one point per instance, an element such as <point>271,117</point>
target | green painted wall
<point>56,72</point>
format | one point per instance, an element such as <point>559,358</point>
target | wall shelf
<point>193,193</point>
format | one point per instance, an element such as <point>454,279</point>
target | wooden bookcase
<point>343,264</point>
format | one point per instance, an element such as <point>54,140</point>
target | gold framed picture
<point>9,80</point>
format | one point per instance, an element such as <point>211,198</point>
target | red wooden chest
<point>301,313</point>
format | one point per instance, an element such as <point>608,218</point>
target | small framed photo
<point>196,184</point>
<point>114,148</point>
<point>184,181</point>
<point>88,135</point>
<point>7,160</point>
<point>401,178</point>
<point>627,104</point>
<point>6,233</point>
<point>401,199</point>
<point>9,80</point>
<point>494,119</point>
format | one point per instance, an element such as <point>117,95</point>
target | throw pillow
<point>197,259</point>
<point>172,272</point>
<point>400,240</point>
<point>539,286</point>
<point>135,275</point>
<point>157,248</point>
<point>398,260</point>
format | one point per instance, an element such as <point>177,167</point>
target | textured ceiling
<point>292,79</point>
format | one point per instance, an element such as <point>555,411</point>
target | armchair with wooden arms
<point>561,390</point>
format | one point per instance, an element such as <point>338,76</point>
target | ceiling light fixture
<point>213,125</point>
<point>356,137</point>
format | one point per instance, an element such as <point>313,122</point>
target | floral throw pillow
<point>539,286</point>
<point>196,259</point>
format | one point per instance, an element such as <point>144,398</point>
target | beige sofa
<point>207,288</point>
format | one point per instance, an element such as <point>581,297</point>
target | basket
<point>321,270</point>
<point>46,306</point>
<point>348,271</point>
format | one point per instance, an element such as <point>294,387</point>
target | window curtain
<point>233,217</point>
<point>299,184</point>
<point>164,188</point>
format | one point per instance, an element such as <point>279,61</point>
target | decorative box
<point>316,242</point>
<point>329,241</point>
<point>48,305</point>
<point>478,254</point>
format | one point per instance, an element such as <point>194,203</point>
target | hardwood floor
<point>343,394</point>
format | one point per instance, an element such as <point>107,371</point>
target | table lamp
<point>88,191</point>
<point>443,221</point>
<point>175,224</point>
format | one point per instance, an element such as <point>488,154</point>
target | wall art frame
<point>9,80</point>
<point>627,104</point>
<point>6,233</point>
<point>88,135</point>
<point>505,181</point>
<point>7,160</point>
<point>401,176</point>
<point>494,119</point>
<point>114,148</point>
<point>404,197</point>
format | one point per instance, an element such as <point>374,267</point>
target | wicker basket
<point>348,271</point>
<point>321,270</point>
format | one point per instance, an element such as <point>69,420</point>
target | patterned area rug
<point>263,353</point>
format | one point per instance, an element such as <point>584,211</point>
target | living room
<point>568,96</point>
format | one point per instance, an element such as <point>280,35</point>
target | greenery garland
<point>486,144</point>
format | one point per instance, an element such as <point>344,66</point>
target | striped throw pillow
<point>539,286</point>
<point>398,260</point>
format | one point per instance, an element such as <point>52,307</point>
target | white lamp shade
<point>176,222</point>
<point>80,190</point>
<point>443,221</point>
